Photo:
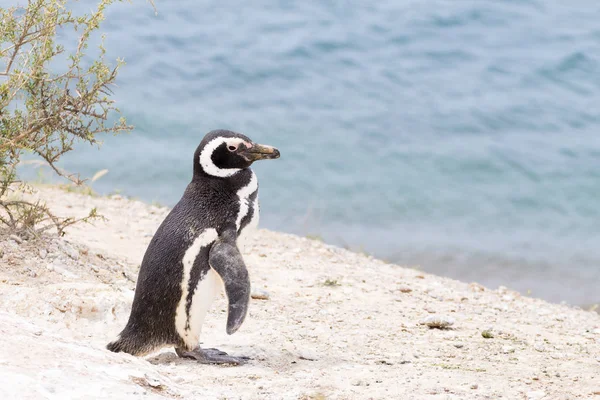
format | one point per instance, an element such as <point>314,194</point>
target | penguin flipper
<point>226,260</point>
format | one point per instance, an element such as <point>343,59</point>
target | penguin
<point>195,254</point>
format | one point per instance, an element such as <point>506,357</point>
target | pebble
<point>70,251</point>
<point>459,345</point>
<point>437,321</point>
<point>43,253</point>
<point>405,289</point>
<point>508,349</point>
<point>260,294</point>
<point>535,395</point>
<point>155,383</point>
<point>476,287</point>
<point>474,386</point>
<point>61,270</point>
<point>16,239</point>
<point>539,347</point>
<point>488,334</point>
<point>307,355</point>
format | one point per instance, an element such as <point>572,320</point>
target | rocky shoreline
<point>328,324</point>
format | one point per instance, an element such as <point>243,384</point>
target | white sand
<point>358,340</point>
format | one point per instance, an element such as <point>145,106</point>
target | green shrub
<point>45,110</point>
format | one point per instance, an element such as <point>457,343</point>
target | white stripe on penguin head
<point>206,156</point>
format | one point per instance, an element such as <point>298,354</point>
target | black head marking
<point>223,153</point>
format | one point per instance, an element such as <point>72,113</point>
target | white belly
<point>250,228</point>
<point>206,291</point>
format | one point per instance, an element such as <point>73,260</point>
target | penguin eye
<point>232,148</point>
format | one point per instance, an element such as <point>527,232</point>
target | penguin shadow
<point>166,357</point>
<point>169,357</point>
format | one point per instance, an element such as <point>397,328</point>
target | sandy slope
<point>62,300</point>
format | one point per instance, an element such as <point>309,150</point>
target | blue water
<point>458,136</point>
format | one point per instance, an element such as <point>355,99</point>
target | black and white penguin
<point>194,254</point>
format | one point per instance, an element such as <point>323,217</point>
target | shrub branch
<point>44,109</point>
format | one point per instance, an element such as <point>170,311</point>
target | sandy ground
<point>338,325</point>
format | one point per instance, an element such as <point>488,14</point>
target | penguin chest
<point>248,211</point>
<point>248,229</point>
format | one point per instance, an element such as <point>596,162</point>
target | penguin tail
<point>116,346</point>
<point>128,344</point>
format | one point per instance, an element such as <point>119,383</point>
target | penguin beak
<point>260,152</point>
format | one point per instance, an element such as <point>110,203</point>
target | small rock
<point>476,287</point>
<point>459,345</point>
<point>535,395</point>
<point>501,307</point>
<point>260,294</point>
<point>474,386</point>
<point>307,355</point>
<point>437,321</point>
<point>32,273</point>
<point>63,271</point>
<point>508,349</point>
<point>95,268</point>
<point>50,267</point>
<point>155,383</point>
<point>70,251</point>
<point>43,253</point>
<point>488,334</point>
<point>16,239</point>
<point>405,289</point>
<point>539,347</point>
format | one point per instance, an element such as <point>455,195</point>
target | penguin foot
<point>210,356</point>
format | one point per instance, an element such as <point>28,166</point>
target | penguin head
<point>222,153</point>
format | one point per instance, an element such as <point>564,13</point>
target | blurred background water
<point>458,136</point>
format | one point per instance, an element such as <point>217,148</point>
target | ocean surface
<point>459,137</point>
